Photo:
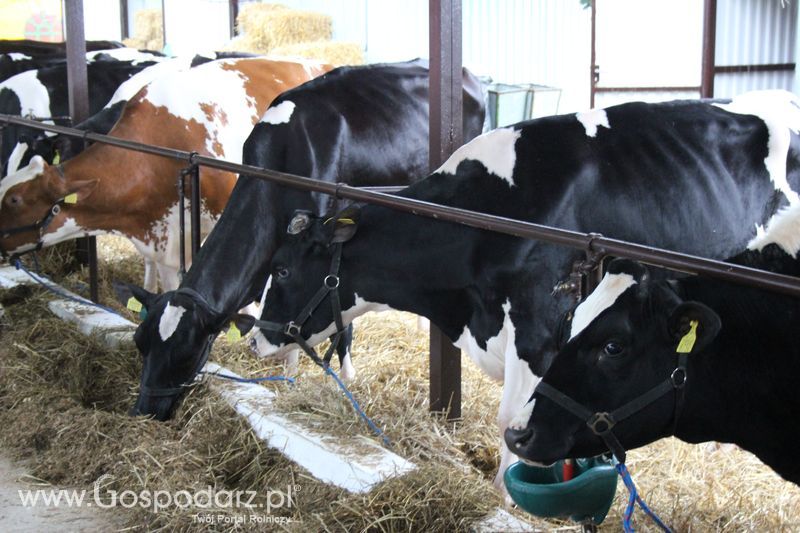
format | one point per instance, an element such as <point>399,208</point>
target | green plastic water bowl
<point>542,491</point>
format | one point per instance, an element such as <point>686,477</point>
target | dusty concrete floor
<point>16,517</point>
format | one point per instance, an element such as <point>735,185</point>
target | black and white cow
<point>43,93</point>
<point>694,176</point>
<point>358,125</point>
<point>13,63</point>
<point>62,147</point>
<point>740,379</point>
<point>44,48</point>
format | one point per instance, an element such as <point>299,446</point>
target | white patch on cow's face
<point>592,120</point>
<point>783,229</point>
<point>170,319</point>
<point>33,96</point>
<point>603,297</point>
<point>28,173</point>
<point>496,150</point>
<point>780,112</point>
<point>230,121</point>
<point>15,158</point>
<point>279,114</point>
<point>520,421</point>
<point>16,56</point>
<point>134,84</point>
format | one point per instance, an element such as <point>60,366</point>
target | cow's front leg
<point>346,368</point>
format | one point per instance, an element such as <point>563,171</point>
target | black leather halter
<point>163,392</point>
<point>330,287</point>
<point>39,226</point>
<point>601,423</point>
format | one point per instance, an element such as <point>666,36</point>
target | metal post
<point>182,223</point>
<point>78,89</point>
<point>194,171</point>
<point>124,31</point>
<point>233,14</point>
<point>446,135</point>
<point>709,48</point>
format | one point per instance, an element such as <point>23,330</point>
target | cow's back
<point>365,125</point>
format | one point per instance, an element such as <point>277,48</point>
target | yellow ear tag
<point>71,198</point>
<point>56,158</point>
<point>688,340</point>
<point>134,304</point>
<point>233,334</point>
<point>346,221</point>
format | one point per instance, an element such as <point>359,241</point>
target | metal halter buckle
<point>598,419</point>
<point>678,377</point>
<point>292,329</point>
<point>331,281</point>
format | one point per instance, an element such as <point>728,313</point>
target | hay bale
<point>148,30</point>
<point>332,53</point>
<point>250,17</point>
<point>267,26</point>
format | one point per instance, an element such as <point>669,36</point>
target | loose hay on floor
<point>63,400</point>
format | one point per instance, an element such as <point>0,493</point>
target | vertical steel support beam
<point>594,70</point>
<point>233,13</point>
<point>709,48</point>
<point>78,89</point>
<point>446,135</point>
<point>124,31</point>
<point>195,218</point>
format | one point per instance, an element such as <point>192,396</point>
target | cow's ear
<point>346,225</point>
<point>627,266</point>
<point>692,326</point>
<point>301,219</point>
<point>80,190</point>
<point>134,298</point>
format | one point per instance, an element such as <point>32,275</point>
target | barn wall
<point>754,32</point>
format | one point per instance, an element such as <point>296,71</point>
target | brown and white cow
<point>210,109</point>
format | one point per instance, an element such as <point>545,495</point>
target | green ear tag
<point>143,314</point>
<point>71,198</point>
<point>57,158</point>
<point>134,305</point>
<point>688,340</point>
<point>233,334</point>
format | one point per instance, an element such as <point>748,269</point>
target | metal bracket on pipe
<point>586,273</point>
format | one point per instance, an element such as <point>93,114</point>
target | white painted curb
<point>327,458</point>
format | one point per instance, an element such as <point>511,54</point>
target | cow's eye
<point>613,349</point>
<point>14,200</point>
<point>282,272</point>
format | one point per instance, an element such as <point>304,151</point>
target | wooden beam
<point>446,135</point>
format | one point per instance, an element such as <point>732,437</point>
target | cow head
<point>623,343</point>
<point>299,268</point>
<point>37,205</point>
<point>174,341</point>
<point>53,149</point>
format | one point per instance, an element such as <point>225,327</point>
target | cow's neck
<point>428,275</point>
<point>742,388</point>
<point>231,268</point>
<point>119,202</point>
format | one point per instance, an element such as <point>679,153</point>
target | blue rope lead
<point>19,266</point>
<point>634,498</point>
<point>357,407</point>
<point>249,380</point>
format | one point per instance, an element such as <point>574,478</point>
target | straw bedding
<point>63,399</point>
